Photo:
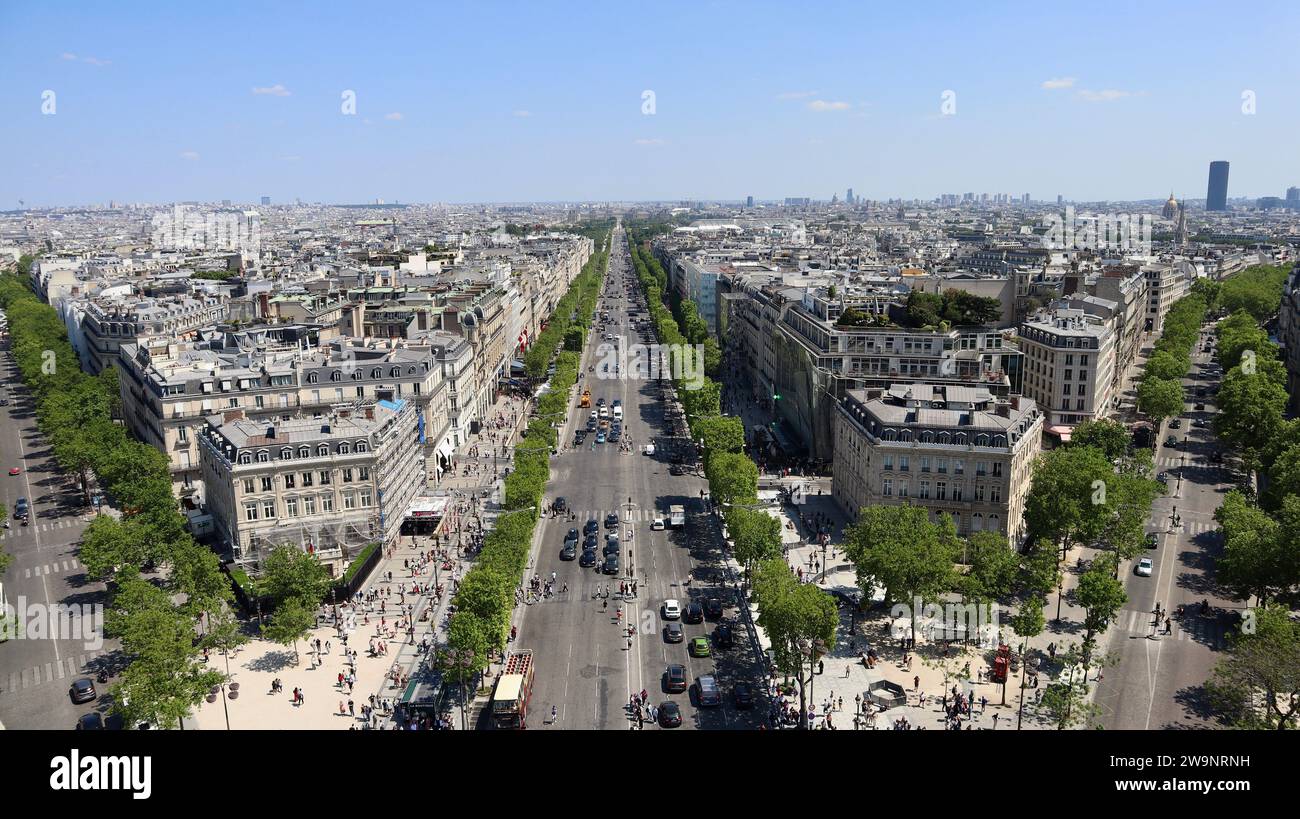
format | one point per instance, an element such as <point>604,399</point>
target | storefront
<point>423,515</point>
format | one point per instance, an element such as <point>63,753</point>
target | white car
<point>672,610</point>
<point>657,524</point>
<point>1143,567</point>
<point>649,449</point>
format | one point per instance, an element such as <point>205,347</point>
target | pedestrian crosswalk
<point>67,669</point>
<point>52,526</point>
<point>624,516</point>
<point>56,567</point>
<point>1212,632</point>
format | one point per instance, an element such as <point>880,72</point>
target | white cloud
<point>824,105</point>
<point>522,113</point>
<point>96,61</point>
<point>648,142</point>
<point>396,115</point>
<point>1107,95</point>
<point>796,95</point>
<point>276,90</point>
<point>190,155</point>
<point>1060,82</point>
<point>68,56</point>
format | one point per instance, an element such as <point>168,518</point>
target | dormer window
<point>304,452</point>
<point>312,378</point>
<point>245,458</point>
<point>263,457</point>
<point>362,447</point>
<point>336,376</point>
<point>286,453</point>
<point>376,373</point>
<point>345,448</point>
<point>322,450</point>
<point>395,372</point>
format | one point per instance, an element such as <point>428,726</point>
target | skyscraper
<point>1216,195</point>
<point>1293,198</point>
<point>266,200</point>
<point>848,196</point>
<point>749,201</point>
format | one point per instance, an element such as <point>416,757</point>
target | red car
<point>13,470</point>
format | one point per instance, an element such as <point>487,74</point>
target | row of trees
<point>165,676</point>
<point>485,598</point>
<point>1161,395</point>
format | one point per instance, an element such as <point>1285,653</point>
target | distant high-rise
<point>749,201</point>
<point>848,196</point>
<point>1060,200</point>
<point>266,200</point>
<point>1025,199</point>
<point>1293,198</point>
<point>225,203</point>
<point>1216,196</point>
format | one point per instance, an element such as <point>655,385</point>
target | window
<point>941,466</point>
<point>902,489</point>
<point>925,490</point>
<point>362,446</point>
<point>363,473</point>
<point>1083,361</point>
<point>361,392</point>
<point>1069,375</point>
<point>327,503</point>
<point>289,480</point>
<point>995,494</point>
<point>304,452</point>
<point>345,448</point>
<point>365,498</point>
<point>338,393</point>
<point>959,467</point>
<point>1078,404</point>
<point>309,505</point>
<point>257,401</point>
<point>291,507</point>
<point>311,378</point>
<point>349,500</point>
<point>250,511</point>
<point>322,450</point>
<point>888,488</point>
<point>263,457</point>
<point>941,490</point>
<point>248,486</point>
<point>233,402</point>
<point>994,524</point>
<point>1083,388</point>
<point>347,476</point>
<point>981,468</point>
<point>979,492</point>
<point>325,477</point>
<point>306,479</point>
<point>285,453</point>
<point>956,492</point>
<point>268,509</point>
<point>336,376</point>
<point>925,464</point>
<point>266,483</point>
<point>997,469</point>
<point>183,435</point>
<point>903,464</point>
<point>395,372</point>
<point>976,522</point>
<point>888,462</point>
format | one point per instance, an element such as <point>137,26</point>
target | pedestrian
<point>995,722</point>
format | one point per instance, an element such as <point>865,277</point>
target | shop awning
<point>1062,432</point>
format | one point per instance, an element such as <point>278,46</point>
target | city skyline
<point>545,106</point>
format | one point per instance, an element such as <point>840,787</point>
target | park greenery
<point>1160,394</point>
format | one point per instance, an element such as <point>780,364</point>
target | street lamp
<point>220,690</point>
<point>812,650</point>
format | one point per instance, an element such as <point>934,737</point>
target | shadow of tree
<point>272,661</point>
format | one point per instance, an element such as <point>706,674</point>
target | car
<point>614,437</point>
<point>706,689</point>
<point>600,402</point>
<point>670,715</point>
<point>82,690</point>
<point>713,608</point>
<point>588,558</point>
<point>618,402</point>
<point>611,564</point>
<point>699,647</point>
<point>572,536</point>
<point>1176,423</point>
<point>673,632</point>
<point>4,402</point>
<point>672,610</point>
<point>94,721</point>
<point>1200,406</point>
<point>591,527</point>
<point>649,449</point>
<point>1143,567</point>
<point>676,469</point>
<point>657,524</point>
<point>722,637</point>
<point>611,547</point>
<point>591,425</point>
<point>1200,392</point>
<point>589,542</point>
<point>561,505</point>
<point>611,521</point>
<point>13,470</point>
<point>675,679</point>
<point>1163,478</point>
<point>694,613</point>
<point>570,550</point>
<point>1151,541</point>
<point>579,437</point>
<point>600,437</point>
<point>1200,422</point>
<point>743,695</point>
<point>1171,441</point>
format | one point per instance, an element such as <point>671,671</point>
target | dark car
<point>588,558</point>
<point>1171,441</point>
<point>82,690</point>
<point>21,509</point>
<point>600,402</point>
<point>93,721</point>
<point>591,425</point>
<point>675,679</point>
<point>571,536</point>
<point>676,469</point>
<point>713,608</point>
<point>1163,479</point>
<point>611,546</point>
<point>1152,540</point>
<point>743,695</point>
<point>570,550</point>
<point>589,542</point>
<point>611,564</point>
<point>670,716</point>
<point>707,691</point>
<point>673,632</point>
<point>561,505</point>
<point>611,521</point>
<point>579,437</point>
<point>1176,423</point>
<point>722,637</point>
<point>614,437</point>
<point>591,527</point>
<point>694,613</point>
<point>1200,406</point>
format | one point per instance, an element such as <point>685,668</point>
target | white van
<point>618,413</point>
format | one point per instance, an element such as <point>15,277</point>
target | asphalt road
<point>1157,683</point>
<point>35,673</point>
<point>585,668</point>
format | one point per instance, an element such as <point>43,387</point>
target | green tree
<point>994,567</point>
<point>733,478</point>
<point>1251,410</point>
<point>799,618</point>
<point>1257,685</point>
<point>292,621</point>
<point>1160,398</point>
<point>1109,436</point>
<point>109,544</point>
<point>1258,559</point>
<point>1028,622</point>
<point>1100,594</point>
<point>289,572</point>
<point>757,535</point>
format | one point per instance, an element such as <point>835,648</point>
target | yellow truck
<point>586,399</point>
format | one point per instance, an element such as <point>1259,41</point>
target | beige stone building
<point>1070,360</point>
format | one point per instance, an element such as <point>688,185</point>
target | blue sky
<point>513,101</point>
